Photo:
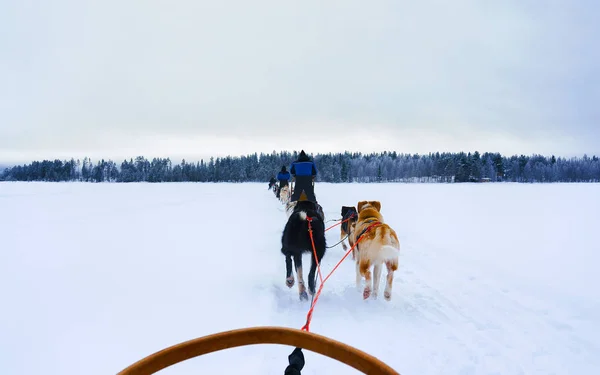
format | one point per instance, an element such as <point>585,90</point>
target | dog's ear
<point>360,205</point>
<point>376,204</point>
<point>345,209</point>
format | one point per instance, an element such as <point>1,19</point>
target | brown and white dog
<point>285,194</point>
<point>349,218</point>
<point>377,245</point>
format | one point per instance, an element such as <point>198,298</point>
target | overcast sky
<point>194,78</point>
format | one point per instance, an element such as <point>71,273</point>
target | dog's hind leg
<point>342,237</point>
<point>376,278</point>
<point>301,285</point>
<point>289,276</point>
<point>358,275</point>
<point>365,271</point>
<point>311,275</point>
<point>391,267</point>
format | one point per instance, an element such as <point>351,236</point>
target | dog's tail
<point>302,215</point>
<point>389,254</point>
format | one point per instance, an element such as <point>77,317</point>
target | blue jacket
<point>303,168</point>
<point>283,176</point>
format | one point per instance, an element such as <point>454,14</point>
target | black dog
<point>296,240</point>
<point>349,218</point>
<point>349,215</point>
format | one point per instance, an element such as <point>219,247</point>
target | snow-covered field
<point>493,278</point>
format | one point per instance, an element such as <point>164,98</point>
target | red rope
<point>306,326</point>
<point>312,241</point>
<point>341,222</point>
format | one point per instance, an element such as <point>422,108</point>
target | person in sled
<point>272,182</point>
<point>284,179</point>
<point>304,172</point>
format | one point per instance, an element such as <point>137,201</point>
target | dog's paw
<point>387,295</point>
<point>303,296</point>
<point>289,282</point>
<point>366,293</point>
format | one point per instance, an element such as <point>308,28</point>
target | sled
<point>339,351</point>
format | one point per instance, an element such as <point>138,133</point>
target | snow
<point>493,278</point>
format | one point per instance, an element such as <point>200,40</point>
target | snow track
<point>493,278</point>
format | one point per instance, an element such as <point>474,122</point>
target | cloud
<point>156,76</point>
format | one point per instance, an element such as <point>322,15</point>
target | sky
<point>192,79</point>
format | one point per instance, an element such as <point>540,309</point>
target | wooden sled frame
<point>347,354</point>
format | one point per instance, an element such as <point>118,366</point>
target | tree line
<point>332,167</point>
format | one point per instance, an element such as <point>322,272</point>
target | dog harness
<point>374,222</point>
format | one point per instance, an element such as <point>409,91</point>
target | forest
<point>332,167</point>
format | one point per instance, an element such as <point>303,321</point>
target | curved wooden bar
<point>349,355</point>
